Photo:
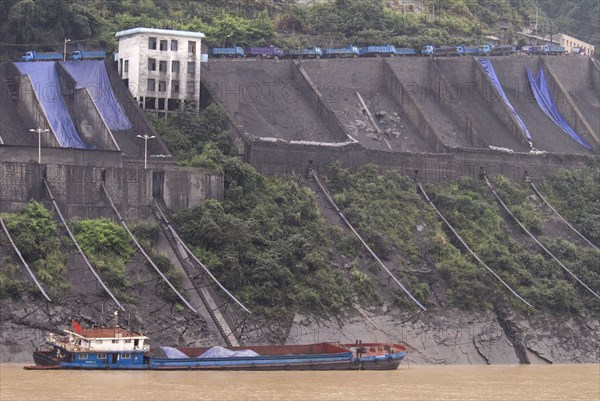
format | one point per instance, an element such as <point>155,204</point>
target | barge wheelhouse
<point>94,348</point>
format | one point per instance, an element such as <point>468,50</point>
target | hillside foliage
<point>44,24</point>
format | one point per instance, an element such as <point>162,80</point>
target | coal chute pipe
<point>464,244</point>
<point>85,259</point>
<point>139,246</point>
<point>18,252</point>
<point>489,184</point>
<point>362,241</point>
<point>191,254</point>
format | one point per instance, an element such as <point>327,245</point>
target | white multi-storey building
<point>161,67</point>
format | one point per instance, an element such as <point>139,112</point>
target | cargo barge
<point>121,349</point>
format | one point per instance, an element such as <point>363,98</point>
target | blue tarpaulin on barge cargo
<point>92,75</point>
<point>489,69</point>
<point>46,85</point>
<point>543,97</point>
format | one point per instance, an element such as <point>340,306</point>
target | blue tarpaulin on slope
<point>542,94</point>
<point>92,74</point>
<point>45,81</point>
<point>489,69</point>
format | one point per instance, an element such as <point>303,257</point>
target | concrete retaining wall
<point>493,100</point>
<point>284,159</point>
<point>77,187</point>
<point>29,109</point>
<point>411,107</point>
<point>315,99</point>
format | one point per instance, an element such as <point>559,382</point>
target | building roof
<point>108,332</point>
<point>166,32</point>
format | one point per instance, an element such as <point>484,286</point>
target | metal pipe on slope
<point>559,215</point>
<point>489,184</point>
<point>35,280</point>
<point>441,216</point>
<point>367,247</point>
<point>144,252</point>
<point>85,259</point>
<point>191,254</point>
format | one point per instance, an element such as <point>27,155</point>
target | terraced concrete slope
<point>340,80</point>
<point>263,99</point>
<point>13,130</point>
<point>417,76</point>
<point>545,135</point>
<point>460,74</point>
<point>576,74</point>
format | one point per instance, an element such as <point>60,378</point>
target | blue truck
<point>377,51</point>
<point>427,50</point>
<point>548,49</point>
<point>337,52</point>
<point>469,50</point>
<point>236,52</point>
<point>265,52</point>
<point>405,52</point>
<point>485,50</point>
<point>313,52</point>
<point>35,56</point>
<point>87,55</point>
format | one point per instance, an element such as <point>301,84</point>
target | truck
<point>35,56</point>
<point>265,52</point>
<point>337,52</point>
<point>485,50</point>
<point>377,51</point>
<point>446,51</point>
<point>503,50</point>
<point>468,50</point>
<point>427,50</point>
<point>87,55</point>
<point>313,52</point>
<point>405,52</point>
<point>235,51</point>
<point>548,49</point>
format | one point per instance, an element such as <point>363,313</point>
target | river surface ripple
<point>464,383</point>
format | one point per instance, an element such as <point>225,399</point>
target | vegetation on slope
<point>35,232</point>
<point>43,24</point>
<point>106,246</point>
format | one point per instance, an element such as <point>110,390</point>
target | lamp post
<point>39,131</point>
<point>145,137</point>
<point>65,49</point>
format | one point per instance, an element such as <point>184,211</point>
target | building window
<point>127,341</point>
<point>98,341</point>
<point>151,85</point>
<point>174,86</point>
<point>163,45</point>
<point>175,66</point>
<point>162,86</point>
<point>83,356</point>
<point>125,355</point>
<point>101,356</point>
<point>191,87</point>
<point>152,43</point>
<point>151,64</point>
<point>191,68</point>
<point>126,67</point>
<point>174,45</point>
<point>115,341</point>
<point>162,66</point>
<point>191,47</point>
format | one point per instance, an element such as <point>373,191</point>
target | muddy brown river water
<point>481,383</point>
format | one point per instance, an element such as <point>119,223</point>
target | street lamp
<point>65,49</point>
<point>39,131</point>
<point>145,137</point>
